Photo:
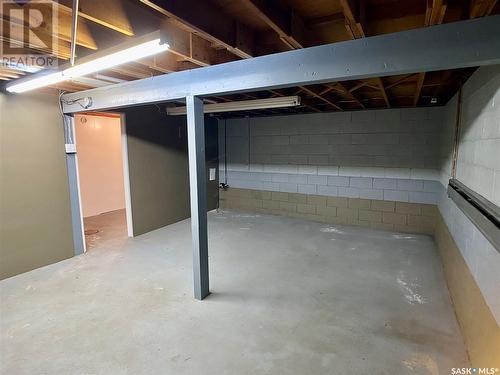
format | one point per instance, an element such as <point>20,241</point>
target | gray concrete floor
<point>288,296</point>
<point>111,230</point>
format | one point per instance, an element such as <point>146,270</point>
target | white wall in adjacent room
<point>100,164</point>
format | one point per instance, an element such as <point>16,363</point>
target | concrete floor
<point>111,229</point>
<point>288,296</point>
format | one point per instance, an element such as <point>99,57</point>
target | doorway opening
<point>102,166</point>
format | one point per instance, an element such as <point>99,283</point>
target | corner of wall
<point>470,262</point>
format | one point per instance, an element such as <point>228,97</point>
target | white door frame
<point>74,182</point>
<point>126,177</point>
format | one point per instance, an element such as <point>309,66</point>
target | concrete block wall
<point>380,154</point>
<point>479,168</point>
<point>372,213</point>
<point>479,149</point>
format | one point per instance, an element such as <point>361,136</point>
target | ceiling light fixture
<point>135,49</point>
<point>242,105</point>
<point>37,81</point>
<point>105,62</point>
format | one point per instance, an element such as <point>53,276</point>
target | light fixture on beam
<point>242,105</point>
<point>132,50</point>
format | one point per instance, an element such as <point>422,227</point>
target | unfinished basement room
<point>250,187</point>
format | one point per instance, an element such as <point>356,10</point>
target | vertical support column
<point>198,194</point>
<point>74,185</point>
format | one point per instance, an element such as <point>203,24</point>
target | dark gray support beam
<point>198,194</point>
<point>454,45</point>
<point>73,182</point>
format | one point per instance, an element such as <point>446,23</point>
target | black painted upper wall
<point>158,167</point>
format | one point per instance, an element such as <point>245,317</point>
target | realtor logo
<point>29,34</point>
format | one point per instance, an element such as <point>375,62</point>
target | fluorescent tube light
<point>132,50</point>
<point>121,57</point>
<point>38,80</point>
<point>243,105</point>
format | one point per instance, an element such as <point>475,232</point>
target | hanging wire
<point>225,152</point>
<point>68,134</point>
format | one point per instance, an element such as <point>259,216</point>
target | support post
<point>74,185</point>
<point>198,194</point>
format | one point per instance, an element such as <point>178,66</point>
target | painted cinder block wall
<point>293,164</point>
<point>471,263</point>
<point>391,154</point>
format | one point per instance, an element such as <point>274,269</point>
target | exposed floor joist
<point>208,21</point>
<point>466,43</point>
<point>264,27</point>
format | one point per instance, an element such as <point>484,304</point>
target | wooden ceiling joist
<point>133,70</point>
<point>355,17</point>
<point>84,37</point>
<point>61,48</point>
<point>435,12</point>
<point>350,95</point>
<point>209,22</point>
<point>308,104</point>
<point>209,32</point>
<point>324,20</point>
<point>434,15</point>
<point>320,97</point>
<point>63,26</point>
<point>382,90</point>
<point>399,81</point>
<point>109,13</point>
<point>481,8</point>
<point>285,22</point>
<point>420,83</point>
<point>359,85</point>
<point>9,73</point>
<point>167,62</point>
<point>191,47</point>
<point>355,14</point>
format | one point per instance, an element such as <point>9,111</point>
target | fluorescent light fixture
<point>243,105</point>
<point>39,80</point>
<point>105,62</point>
<point>132,50</point>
